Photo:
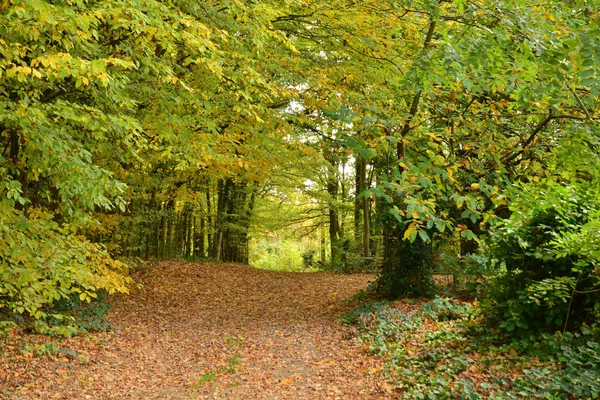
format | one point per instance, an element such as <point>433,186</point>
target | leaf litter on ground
<point>206,331</point>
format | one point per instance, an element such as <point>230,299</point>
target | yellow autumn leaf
<point>411,230</point>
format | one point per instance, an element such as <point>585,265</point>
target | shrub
<point>308,258</point>
<point>43,264</point>
<point>545,259</point>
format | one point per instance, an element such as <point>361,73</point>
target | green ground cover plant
<point>441,349</point>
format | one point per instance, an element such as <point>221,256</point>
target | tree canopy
<point>158,129</point>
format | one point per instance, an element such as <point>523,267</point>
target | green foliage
<point>84,316</point>
<point>50,349</point>
<point>472,111</point>
<point>438,351</point>
<point>94,95</point>
<point>308,258</point>
<point>66,317</point>
<point>164,121</point>
<point>382,325</point>
<point>204,379</point>
<point>407,272</point>
<point>469,273</point>
<point>43,264</point>
<point>441,309</point>
<point>572,369</point>
<point>279,254</point>
<point>362,311</point>
<point>546,269</point>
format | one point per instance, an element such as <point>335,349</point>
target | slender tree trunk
<point>157,230</point>
<point>365,209</point>
<point>186,231</point>
<point>177,234</point>
<point>195,237</point>
<point>323,249</point>
<point>209,220</point>
<point>219,243</point>
<point>201,237</point>
<point>163,234</point>
<point>244,253</point>
<point>169,216</point>
<point>220,223</point>
<point>148,226</point>
<point>229,211</point>
<point>332,190</point>
<point>358,207</point>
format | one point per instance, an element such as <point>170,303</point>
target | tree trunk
<point>358,206</point>
<point>201,237</point>
<point>194,238</point>
<point>209,221</point>
<point>177,234</point>
<point>186,232</point>
<point>332,190</point>
<point>234,209</point>
<point>169,216</point>
<point>323,249</point>
<point>365,209</point>
<point>246,225</point>
<point>470,246</point>
<point>163,233</point>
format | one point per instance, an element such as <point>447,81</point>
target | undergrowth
<point>439,350</point>
<point>67,317</point>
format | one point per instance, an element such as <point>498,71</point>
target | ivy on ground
<point>439,349</point>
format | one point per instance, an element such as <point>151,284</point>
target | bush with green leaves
<point>469,272</point>
<point>308,258</point>
<point>362,311</point>
<point>43,264</point>
<point>546,261</point>
<point>84,316</point>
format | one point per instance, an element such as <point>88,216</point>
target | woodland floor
<point>208,331</point>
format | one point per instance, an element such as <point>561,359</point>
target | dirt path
<point>206,331</point>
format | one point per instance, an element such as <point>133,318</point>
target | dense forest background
<point>406,138</point>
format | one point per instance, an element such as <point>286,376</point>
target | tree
<point>457,99</point>
<point>98,94</point>
<point>171,119</point>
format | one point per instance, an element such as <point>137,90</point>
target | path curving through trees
<point>209,331</point>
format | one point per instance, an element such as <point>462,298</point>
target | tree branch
<point>414,107</point>
<point>585,111</point>
<point>291,17</point>
<point>532,136</point>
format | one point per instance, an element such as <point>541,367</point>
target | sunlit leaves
<point>74,80</point>
<point>42,263</point>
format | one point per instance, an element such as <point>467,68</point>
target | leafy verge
<point>437,349</point>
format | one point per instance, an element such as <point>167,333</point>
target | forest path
<point>210,331</point>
